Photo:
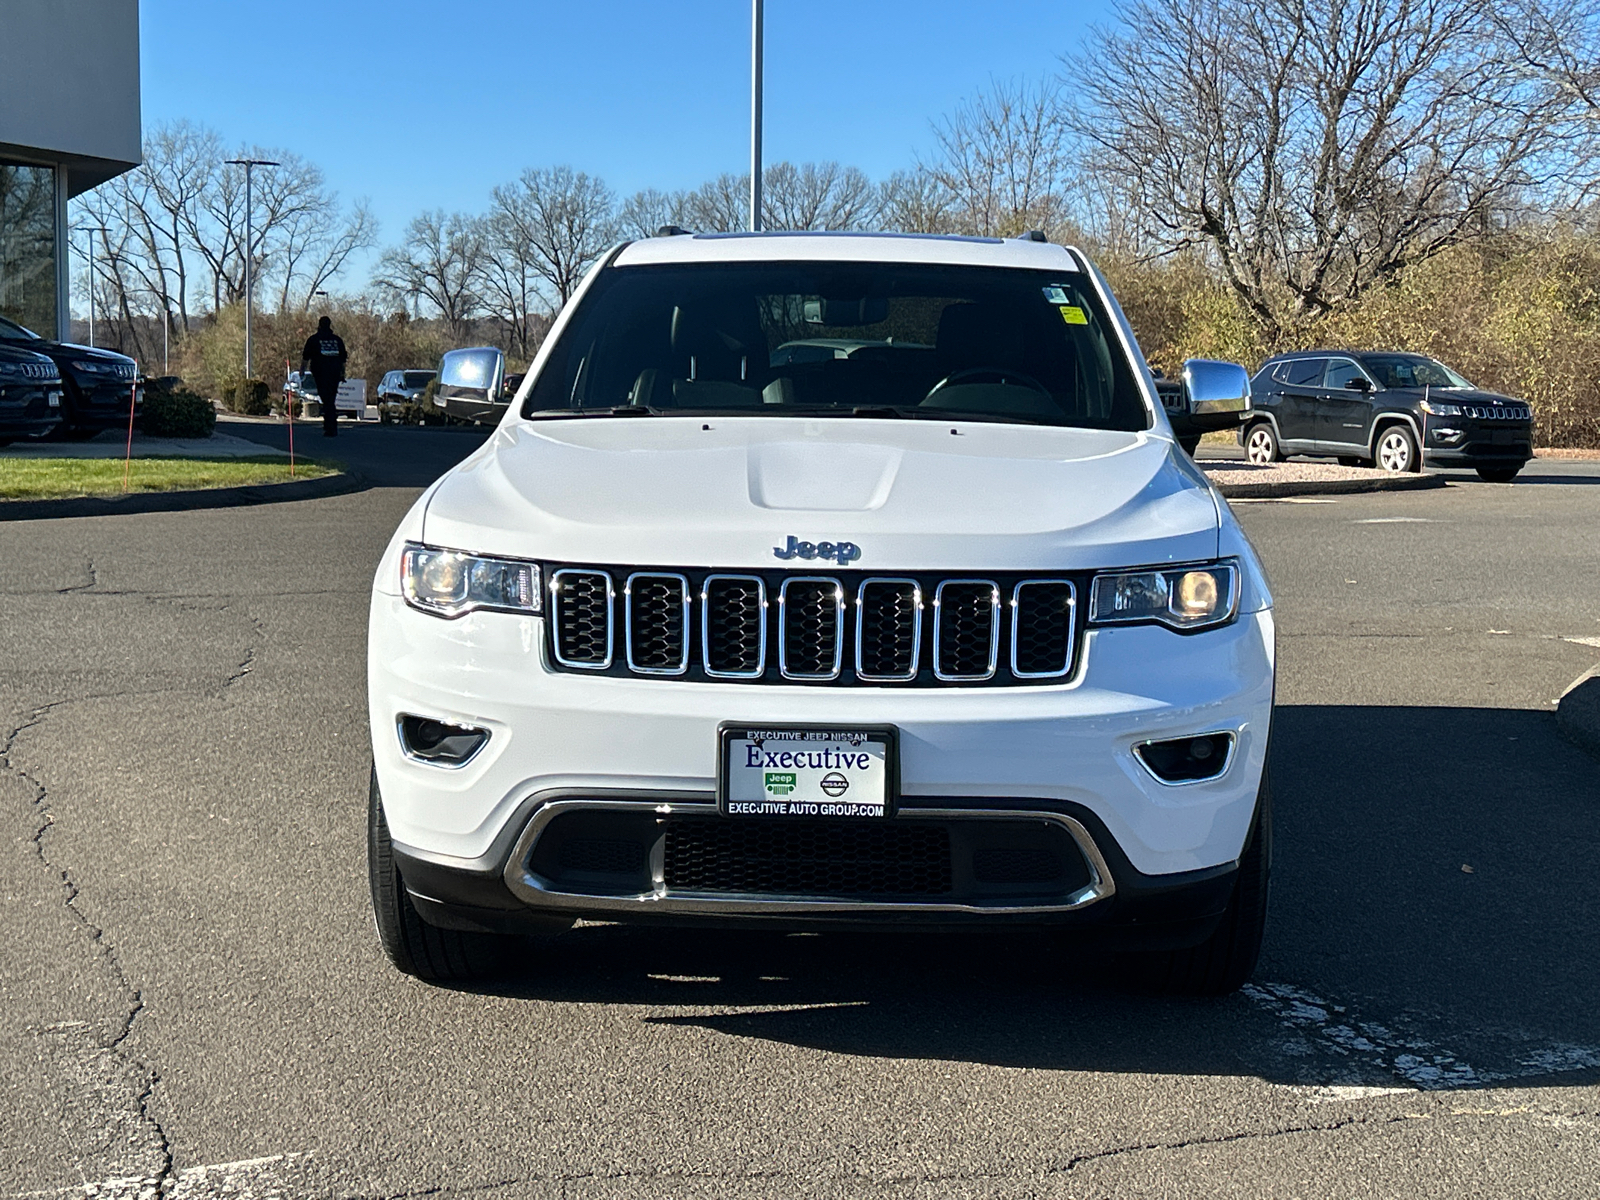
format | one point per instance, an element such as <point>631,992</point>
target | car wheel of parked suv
<point>410,943</point>
<point>1261,444</point>
<point>1224,961</point>
<point>1397,450</point>
<point>1498,474</point>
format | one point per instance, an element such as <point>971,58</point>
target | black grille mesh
<point>888,630</point>
<point>807,859</point>
<point>658,619</point>
<point>611,856</point>
<point>1044,628</point>
<point>582,615</point>
<point>1024,865</point>
<point>733,626</point>
<point>966,628</point>
<point>811,627</point>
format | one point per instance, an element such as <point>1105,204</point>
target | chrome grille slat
<point>966,630</point>
<point>656,622</point>
<point>888,630</point>
<point>1042,623</point>
<point>581,609</point>
<point>843,629</point>
<point>733,626</point>
<point>810,627</point>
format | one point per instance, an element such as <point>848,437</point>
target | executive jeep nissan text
<point>936,625</point>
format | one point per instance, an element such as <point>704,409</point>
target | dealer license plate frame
<point>730,732</point>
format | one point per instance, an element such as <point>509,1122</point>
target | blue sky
<point>420,103</point>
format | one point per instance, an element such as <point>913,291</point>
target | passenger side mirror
<point>1359,384</point>
<point>1214,389</point>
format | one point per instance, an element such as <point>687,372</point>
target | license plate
<point>54,400</point>
<point>807,771</point>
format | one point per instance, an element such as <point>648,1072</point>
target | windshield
<point>10,329</point>
<point>416,379</point>
<point>1412,371</point>
<point>468,368</point>
<point>890,339</point>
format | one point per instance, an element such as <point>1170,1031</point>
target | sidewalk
<point>113,443</point>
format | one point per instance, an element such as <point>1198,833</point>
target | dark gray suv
<point>1393,411</point>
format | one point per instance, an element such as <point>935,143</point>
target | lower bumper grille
<point>808,859</point>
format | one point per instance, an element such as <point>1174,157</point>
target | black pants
<point>328,393</point>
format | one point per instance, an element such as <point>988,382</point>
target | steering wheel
<point>1004,375</point>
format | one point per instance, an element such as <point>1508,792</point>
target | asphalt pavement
<point>193,1002</point>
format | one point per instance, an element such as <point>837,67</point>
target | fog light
<point>438,742</point>
<point>1187,760</point>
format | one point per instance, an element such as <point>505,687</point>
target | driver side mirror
<point>1359,384</point>
<point>1215,389</point>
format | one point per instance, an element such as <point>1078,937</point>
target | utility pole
<point>249,165</point>
<point>755,115</point>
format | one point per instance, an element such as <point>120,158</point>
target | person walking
<point>325,353</point>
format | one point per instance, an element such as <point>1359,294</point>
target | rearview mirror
<point>1214,389</point>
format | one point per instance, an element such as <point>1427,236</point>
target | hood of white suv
<point>912,495</point>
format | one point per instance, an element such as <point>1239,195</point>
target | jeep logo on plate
<point>839,552</point>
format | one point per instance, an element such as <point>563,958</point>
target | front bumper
<point>1457,442</point>
<point>26,411</point>
<point>1058,758</point>
<point>103,405</point>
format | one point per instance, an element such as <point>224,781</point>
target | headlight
<point>1434,409</point>
<point>93,368</point>
<point>448,583</point>
<point>1184,598</point>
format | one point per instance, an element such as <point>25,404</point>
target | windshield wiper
<point>621,410</point>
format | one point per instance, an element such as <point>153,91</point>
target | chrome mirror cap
<point>1210,386</point>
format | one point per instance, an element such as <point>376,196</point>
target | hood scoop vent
<point>821,476</point>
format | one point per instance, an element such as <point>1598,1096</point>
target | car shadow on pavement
<point>1434,925</point>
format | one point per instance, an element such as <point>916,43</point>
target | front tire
<point>1261,444</point>
<point>411,944</point>
<point>1397,451</point>
<point>1498,474</point>
<point>1224,962</point>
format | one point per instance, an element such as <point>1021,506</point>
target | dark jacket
<point>327,355</point>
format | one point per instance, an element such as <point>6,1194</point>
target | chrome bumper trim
<point>538,892</point>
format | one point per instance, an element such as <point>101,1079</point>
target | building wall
<point>69,86</point>
<point>69,120</point>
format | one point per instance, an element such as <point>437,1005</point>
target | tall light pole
<point>755,115</point>
<point>249,165</point>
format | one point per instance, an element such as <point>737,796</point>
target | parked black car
<point>30,395</point>
<point>1389,410</point>
<point>97,385</point>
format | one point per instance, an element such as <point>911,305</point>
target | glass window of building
<point>28,246</point>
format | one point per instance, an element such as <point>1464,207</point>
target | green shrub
<point>177,413</point>
<point>254,398</point>
<point>228,389</point>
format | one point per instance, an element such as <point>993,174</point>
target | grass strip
<point>60,478</point>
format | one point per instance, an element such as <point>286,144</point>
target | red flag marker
<point>133,396</point>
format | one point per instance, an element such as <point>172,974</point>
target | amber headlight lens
<point>449,583</point>
<point>1185,599</point>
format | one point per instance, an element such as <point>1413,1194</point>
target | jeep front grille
<point>847,628</point>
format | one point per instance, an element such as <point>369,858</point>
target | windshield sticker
<point>1073,315</point>
<point>1056,295</point>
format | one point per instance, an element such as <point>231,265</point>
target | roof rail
<point>1033,235</point>
<point>672,231</point>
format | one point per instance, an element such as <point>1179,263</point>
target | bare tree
<point>915,201</point>
<point>816,196</point>
<point>1003,158</point>
<point>720,205</point>
<point>556,222</point>
<point>643,213</point>
<point>1312,147</point>
<point>439,262</point>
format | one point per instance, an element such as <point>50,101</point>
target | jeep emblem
<point>842,553</point>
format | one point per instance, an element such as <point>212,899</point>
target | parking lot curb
<point>1578,711</point>
<point>1327,487</point>
<point>181,501</point>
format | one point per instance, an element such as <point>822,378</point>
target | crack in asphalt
<point>94,580</point>
<point>69,892</point>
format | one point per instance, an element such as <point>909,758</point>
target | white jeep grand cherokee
<point>824,581</point>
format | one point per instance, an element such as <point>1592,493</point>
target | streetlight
<point>249,165</point>
<point>755,115</point>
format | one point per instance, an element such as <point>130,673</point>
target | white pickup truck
<point>820,581</point>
